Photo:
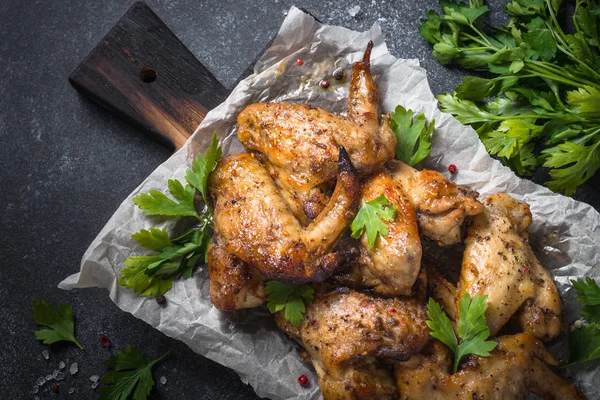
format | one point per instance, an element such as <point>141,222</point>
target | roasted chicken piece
<point>346,333</point>
<point>499,262</point>
<point>441,204</point>
<point>233,284</point>
<point>392,266</point>
<point>300,143</point>
<point>256,226</point>
<point>518,366</point>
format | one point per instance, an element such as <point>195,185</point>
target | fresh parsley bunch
<point>545,91</point>
<point>150,275</point>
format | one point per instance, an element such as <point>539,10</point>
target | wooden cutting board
<point>142,72</point>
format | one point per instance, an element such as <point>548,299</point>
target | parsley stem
<point>544,71</point>
<point>456,362</point>
<point>484,37</point>
<point>159,359</point>
<point>481,42</point>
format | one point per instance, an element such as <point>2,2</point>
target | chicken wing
<point>345,334</point>
<point>517,366</point>
<point>441,204</point>
<point>300,143</point>
<point>392,266</point>
<point>499,262</point>
<point>233,284</point>
<point>257,227</point>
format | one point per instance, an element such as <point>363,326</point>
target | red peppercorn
<point>303,380</point>
<point>324,84</point>
<point>526,270</point>
<point>393,310</point>
<point>299,62</point>
<point>105,341</point>
<point>452,168</point>
<point>54,387</point>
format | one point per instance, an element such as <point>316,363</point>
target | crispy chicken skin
<point>346,333</point>
<point>499,262</point>
<point>300,143</point>
<point>392,266</point>
<point>441,204</point>
<point>517,366</point>
<point>257,227</point>
<point>233,284</point>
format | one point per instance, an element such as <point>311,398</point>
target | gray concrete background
<point>66,165</point>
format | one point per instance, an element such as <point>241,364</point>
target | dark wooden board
<point>142,72</point>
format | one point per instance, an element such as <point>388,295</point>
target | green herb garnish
<point>473,330</point>
<point>292,298</point>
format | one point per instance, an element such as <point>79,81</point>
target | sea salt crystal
<point>94,385</point>
<point>61,365</point>
<point>54,373</point>
<point>48,378</point>
<point>46,354</point>
<point>73,369</point>
<point>163,380</point>
<point>40,381</point>
<point>35,389</point>
<point>60,376</point>
<point>71,390</point>
<point>354,11</point>
<point>94,378</point>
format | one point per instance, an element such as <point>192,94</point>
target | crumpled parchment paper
<point>565,233</point>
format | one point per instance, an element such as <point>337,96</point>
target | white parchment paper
<point>565,233</point>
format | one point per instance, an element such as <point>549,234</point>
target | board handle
<point>142,72</point>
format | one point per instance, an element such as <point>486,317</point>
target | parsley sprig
<point>59,321</point>
<point>413,134</point>
<point>289,297</point>
<point>585,341</point>
<point>129,373</point>
<point>370,218</point>
<point>153,274</point>
<point>473,330</point>
<point>545,92</point>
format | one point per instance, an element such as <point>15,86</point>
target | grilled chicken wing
<point>300,143</point>
<point>233,284</point>
<point>346,332</point>
<point>257,227</point>
<point>441,205</point>
<point>392,266</point>
<point>499,262</point>
<point>517,366</point>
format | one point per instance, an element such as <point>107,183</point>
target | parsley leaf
<point>414,135</point>
<point>292,298</point>
<point>573,164</point>
<point>60,322</point>
<point>473,330</point>
<point>157,203</point>
<point>370,218</point>
<point>589,294</point>
<point>585,344</point>
<point>202,166</point>
<point>128,373</point>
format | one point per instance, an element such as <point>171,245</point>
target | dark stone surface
<point>66,165</point>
